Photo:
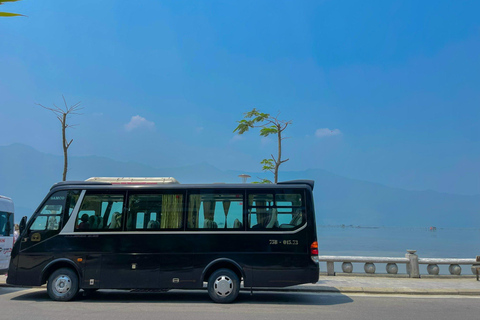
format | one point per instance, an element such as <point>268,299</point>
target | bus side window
<point>100,212</point>
<point>261,213</point>
<point>278,209</point>
<point>215,211</point>
<point>40,223</point>
<point>149,212</point>
<point>290,208</point>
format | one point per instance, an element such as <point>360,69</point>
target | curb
<point>371,290</point>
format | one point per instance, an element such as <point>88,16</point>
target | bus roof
<point>6,204</point>
<point>135,180</point>
<point>145,184</point>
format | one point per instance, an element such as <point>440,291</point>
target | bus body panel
<point>169,259</point>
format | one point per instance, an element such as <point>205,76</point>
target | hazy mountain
<point>27,174</point>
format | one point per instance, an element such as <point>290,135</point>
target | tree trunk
<point>65,147</point>
<point>279,158</point>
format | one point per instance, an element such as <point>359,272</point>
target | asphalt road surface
<point>117,305</point>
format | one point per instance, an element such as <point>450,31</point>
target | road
<point>117,305</point>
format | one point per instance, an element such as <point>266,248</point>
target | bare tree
<point>63,116</point>
<point>269,125</point>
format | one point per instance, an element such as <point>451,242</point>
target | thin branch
<point>65,101</point>
<point>51,109</point>
<point>270,121</point>
<point>286,125</point>
<point>273,158</point>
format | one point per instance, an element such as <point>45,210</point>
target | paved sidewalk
<point>381,285</point>
<point>387,285</point>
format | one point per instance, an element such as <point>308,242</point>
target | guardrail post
<point>413,268</point>
<point>330,268</point>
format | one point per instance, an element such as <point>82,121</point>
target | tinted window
<point>155,212</point>
<point>72,199</point>
<point>50,215</point>
<point>215,211</point>
<point>6,223</point>
<point>278,209</point>
<point>100,212</point>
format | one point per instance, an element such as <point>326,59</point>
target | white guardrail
<point>411,260</point>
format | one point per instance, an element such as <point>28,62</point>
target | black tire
<point>223,286</point>
<point>62,284</point>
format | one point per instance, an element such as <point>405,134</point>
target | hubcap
<point>223,286</point>
<point>62,284</point>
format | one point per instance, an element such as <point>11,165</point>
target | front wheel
<point>223,286</point>
<point>62,285</point>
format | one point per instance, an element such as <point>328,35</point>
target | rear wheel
<point>223,286</point>
<point>62,284</point>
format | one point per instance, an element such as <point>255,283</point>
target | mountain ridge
<point>339,200</point>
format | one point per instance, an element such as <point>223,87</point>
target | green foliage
<point>254,117</point>
<point>243,126</point>
<point>266,131</point>
<point>257,115</point>
<point>268,164</point>
<point>262,181</point>
<point>8,14</point>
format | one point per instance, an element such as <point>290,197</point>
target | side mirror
<point>23,224</point>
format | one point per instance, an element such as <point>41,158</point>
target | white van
<point>6,232</point>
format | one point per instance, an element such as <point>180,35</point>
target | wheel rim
<point>223,286</point>
<point>62,284</point>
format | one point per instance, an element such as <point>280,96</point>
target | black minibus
<point>154,233</point>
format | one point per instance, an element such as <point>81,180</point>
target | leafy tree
<point>262,181</point>
<point>62,116</point>
<point>269,125</point>
<point>8,14</point>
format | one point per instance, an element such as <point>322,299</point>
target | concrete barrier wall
<point>411,260</point>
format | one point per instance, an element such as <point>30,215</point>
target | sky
<point>383,91</point>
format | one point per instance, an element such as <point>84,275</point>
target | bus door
<point>36,246</point>
<point>99,228</point>
<point>155,245</point>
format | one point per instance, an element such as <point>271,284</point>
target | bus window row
<point>209,211</point>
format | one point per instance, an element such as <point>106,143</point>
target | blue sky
<point>163,83</point>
